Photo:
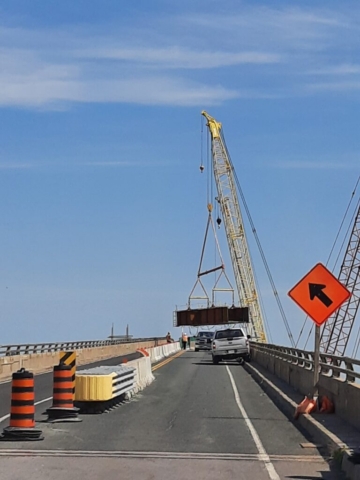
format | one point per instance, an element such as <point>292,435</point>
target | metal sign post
<point>316,362</point>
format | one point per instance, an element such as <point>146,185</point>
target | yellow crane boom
<point>234,228</point>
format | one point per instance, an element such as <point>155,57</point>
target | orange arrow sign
<point>319,294</point>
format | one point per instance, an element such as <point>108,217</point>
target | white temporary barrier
<point>143,371</point>
<point>143,374</point>
<point>158,353</point>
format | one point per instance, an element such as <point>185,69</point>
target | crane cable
<point>286,323</point>
<point>330,254</point>
<point>209,188</point>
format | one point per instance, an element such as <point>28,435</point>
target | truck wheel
<point>196,349</point>
<point>241,361</point>
<point>216,360</point>
<point>248,358</point>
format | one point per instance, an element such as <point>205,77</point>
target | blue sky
<point>103,205</point>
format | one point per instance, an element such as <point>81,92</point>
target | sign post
<point>319,294</point>
<point>315,391</point>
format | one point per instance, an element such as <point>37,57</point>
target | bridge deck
<point>187,421</point>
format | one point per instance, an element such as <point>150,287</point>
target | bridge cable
<point>331,252</point>
<point>357,344</point>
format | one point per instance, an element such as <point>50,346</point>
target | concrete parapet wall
<point>42,362</point>
<point>344,395</point>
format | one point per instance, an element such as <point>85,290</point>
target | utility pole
<point>112,332</point>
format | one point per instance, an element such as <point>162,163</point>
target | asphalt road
<point>195,419</point>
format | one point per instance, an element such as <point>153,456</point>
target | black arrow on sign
<point>316,290</point>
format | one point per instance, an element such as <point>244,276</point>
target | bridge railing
<point>343,368</point>
<point>30,348</point>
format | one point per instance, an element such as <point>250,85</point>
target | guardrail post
<point>350,368</point>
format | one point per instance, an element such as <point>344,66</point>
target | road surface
<point>196,420</point>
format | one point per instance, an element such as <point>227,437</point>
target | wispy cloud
<point>28,80</point>
<point>182,58</point>
<point>339,87</point>
<point>18,166</point>
<point>167,61</point>
<point>126,164</point>
<point>314,165</point>
<point>343,69</point>
<point>43,87</point>
<point>85,164</point>
<point>289,28</point>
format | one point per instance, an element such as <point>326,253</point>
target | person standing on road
<point>184,340</point>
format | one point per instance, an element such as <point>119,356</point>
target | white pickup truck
<point>230,344</point>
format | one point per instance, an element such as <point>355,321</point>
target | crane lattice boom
<point>234,227</point>
<point>337,329</point>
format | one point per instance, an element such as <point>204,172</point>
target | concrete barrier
<point>143,366</point>
<point>345,395</point>
<point>143,375</point>
<point>43,362</point>
<point>158,353</point>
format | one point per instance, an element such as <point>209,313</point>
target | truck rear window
<point>205,334</point>
<point>229,334</point>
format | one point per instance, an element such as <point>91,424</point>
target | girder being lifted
<point>234,228</point>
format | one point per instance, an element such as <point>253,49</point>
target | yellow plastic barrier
<point>101,384</point>
<point>94,388</point>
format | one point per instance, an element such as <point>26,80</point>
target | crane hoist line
<point>234,227</point>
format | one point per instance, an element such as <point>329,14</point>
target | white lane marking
<point>36,403</point>
<point>171,455</point>
<point>264,456</point>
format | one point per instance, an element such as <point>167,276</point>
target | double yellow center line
<point>168,360</point>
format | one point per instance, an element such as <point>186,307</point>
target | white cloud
<point>17,166</point>
<point>340,87</point>
<point>313,165</point>
<point>167,61</point>
<point>176,57</point>
<point>42,88</point>
<point>286,28</point>
<point>26,80</point>
<point>107,163</point>
<point>116,163</point>
<point>342,69</point>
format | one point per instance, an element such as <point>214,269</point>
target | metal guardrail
<point>26,349</point>
<point>342,368</point>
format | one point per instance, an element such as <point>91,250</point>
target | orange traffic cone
<point>308,405</point>
<point>22,411</point>
<point>326,405</point>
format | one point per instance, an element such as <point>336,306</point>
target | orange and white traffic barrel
<point>22,410</point>
<point>63,409</point>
